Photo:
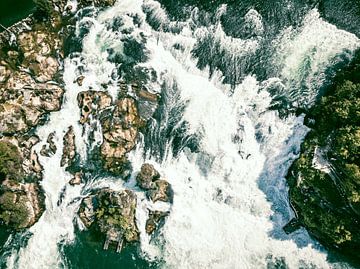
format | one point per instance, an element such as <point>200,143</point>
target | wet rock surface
<point>113,213</point>
<point>21,197</point>
<point>156,219</point>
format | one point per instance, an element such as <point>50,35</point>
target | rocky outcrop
<point>69,150</point>
<point>50,148</point>
<point>112,213</point>
<point>156,189</point>
<point>325,180</point>
<point>120,124</point>
<point>156,218</point>
<point>120,131</point>
<point>21,202</point>
<point>146,177</point>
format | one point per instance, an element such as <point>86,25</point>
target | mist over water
<point>215,136</point>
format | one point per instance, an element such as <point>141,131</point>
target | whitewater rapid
<point>230,194</point>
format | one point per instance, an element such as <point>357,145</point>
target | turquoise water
<point>12,11</point>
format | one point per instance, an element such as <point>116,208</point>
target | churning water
<point>215,136</point>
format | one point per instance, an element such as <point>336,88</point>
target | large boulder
<point>112,213</point>
<point>21,204</point>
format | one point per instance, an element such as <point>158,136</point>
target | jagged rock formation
<point>157,189</point>
<point>120,122</point>
<point>120,131</point>
<point>69,150</point>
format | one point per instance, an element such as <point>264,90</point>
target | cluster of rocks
<point>113,213</point>
<point>120,123</point>
<point>156,189</point>
<point>31,86</point>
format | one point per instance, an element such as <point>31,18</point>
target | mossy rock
<point>328,202</point>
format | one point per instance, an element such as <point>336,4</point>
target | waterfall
<point>228,174</point>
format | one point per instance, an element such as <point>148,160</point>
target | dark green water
<point>12,11</point>
<point>87,253</point>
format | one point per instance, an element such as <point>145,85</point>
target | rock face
<point>112,213</point>
<point>157,189</point>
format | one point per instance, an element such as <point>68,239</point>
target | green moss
<point>10,161</point>
<point>328,205</point>
<point>13,214</point>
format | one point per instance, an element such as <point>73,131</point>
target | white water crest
<point>230,195</point>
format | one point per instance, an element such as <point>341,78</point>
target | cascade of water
<point>230,195</point>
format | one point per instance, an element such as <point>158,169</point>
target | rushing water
<point>216,136</point>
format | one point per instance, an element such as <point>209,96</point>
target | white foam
<point>231,195</point>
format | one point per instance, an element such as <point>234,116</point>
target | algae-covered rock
<point>10,161</point>
<point>21,204</point>
<point>111,212</point>
<point>147,175</point>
